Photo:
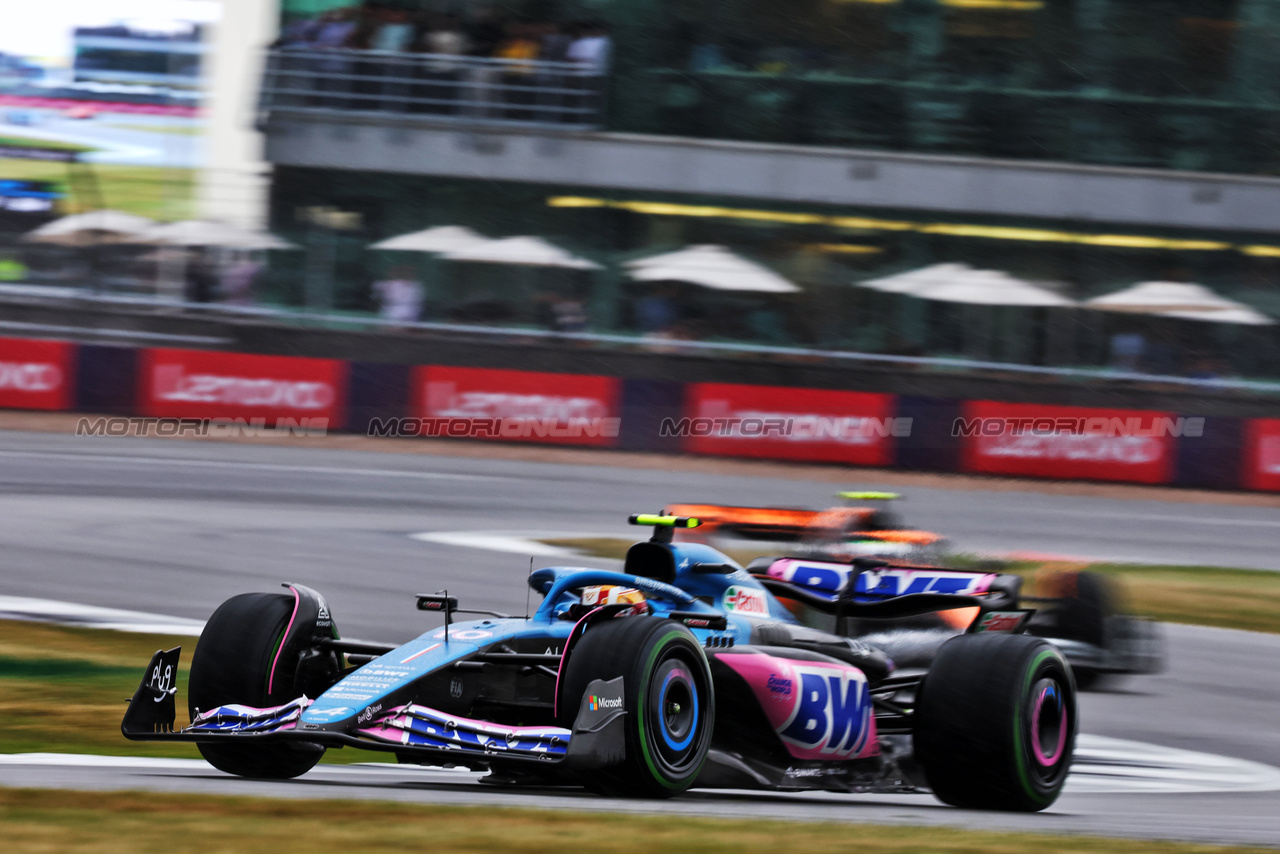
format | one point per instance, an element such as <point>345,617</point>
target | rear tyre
<point>995,722</point>
<point>1086,608</point>
<point>232,664</point>
<point>669,702</point>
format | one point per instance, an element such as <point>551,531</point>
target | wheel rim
<point>674,713</point>
<point>1049,724</point>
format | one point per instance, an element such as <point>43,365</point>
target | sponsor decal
<point>777,422</point>
<point>368,713</point>
<point>595,703</point>
<point>199,384</point>
<point>331,713</point>
<point>903,582</point>
<point>780,687</point>
<point>1001,621</point>
<point>463,635</point>
<point>528,406</point>
<point>746,601</point>
<point>35,374</point>
<point>1261,456</point>
<point>827,711</point>
<point>1070,442</point>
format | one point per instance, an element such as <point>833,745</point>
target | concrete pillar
<point>234,182</point>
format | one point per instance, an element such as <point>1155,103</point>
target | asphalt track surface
<point>176,527</point>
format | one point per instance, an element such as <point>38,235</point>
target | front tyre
<point>669,702</point>
<point>995,722</point>
<point>232,664</point>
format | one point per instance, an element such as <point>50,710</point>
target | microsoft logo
<point>595,703</point>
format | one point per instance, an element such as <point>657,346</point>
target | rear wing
<point>874,588</point>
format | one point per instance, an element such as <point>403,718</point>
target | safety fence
<point>435,86</point>
<point>716,419</point>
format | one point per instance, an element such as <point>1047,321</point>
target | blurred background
<point>1079,187</point>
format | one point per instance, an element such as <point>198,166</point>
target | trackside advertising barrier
<point>1261,458</point>
<point>36,374</point>
<point>208,384</point>
<point>309,396</point>
<point>1070,442</point>
<point>783,423</point>
<point>516,406</point>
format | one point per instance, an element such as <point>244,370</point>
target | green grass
<point>142,823</point>
<point>178,130</point>
<point>32,142</point>
<point>153,191</point>
<point>63,690</point>
<point>1196,595</point>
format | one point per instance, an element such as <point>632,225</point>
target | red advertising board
<point>1069,442</point>
<point>36,374</point>
<point>517,406</point>
<point>781,423</point>
<point>1262,454</point>
<point>210,384</point>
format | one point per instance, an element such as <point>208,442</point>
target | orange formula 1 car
<point>862,528</point>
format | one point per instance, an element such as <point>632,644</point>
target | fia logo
<point>455,687</point>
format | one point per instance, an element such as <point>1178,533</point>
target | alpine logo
<point>596,704</point>
<point>747,601</point>
<point>833,715</point>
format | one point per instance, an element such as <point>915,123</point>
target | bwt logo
<point>171,384</point>
<point>833,715</point>
<point>595,703</point>
<point>904,582</point>
<point>846,429</point>
<point>1131,427</point>
<point>30,377</point>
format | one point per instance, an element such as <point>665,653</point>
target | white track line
<point>505,541</point>
<point>1103,766</point>
<point>91,616</point>
<point>114,458</point>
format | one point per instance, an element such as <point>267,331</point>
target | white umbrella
<point>1180,300</point>
<point>443,238</point>
<point>962,283</point>
<point>195,232</point>
<point>912,280</point>
<point>524,251</point>
<point>91,227</point>
<point>711,267</point>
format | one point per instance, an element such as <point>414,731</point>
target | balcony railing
<point>435,86</point>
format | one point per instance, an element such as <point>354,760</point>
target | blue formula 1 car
<point>683,670</point>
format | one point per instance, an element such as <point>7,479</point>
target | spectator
<point>393,33</point>
<point>593,48</point>
<point>445,42</point>
<point>657,312</point>
<point>554,43</point>
<point>202,278</point>
<point>238,281</point>
<point>486,34</point>
<point>399,296</point>
<point>11,269</point>
<point>446,38</point>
